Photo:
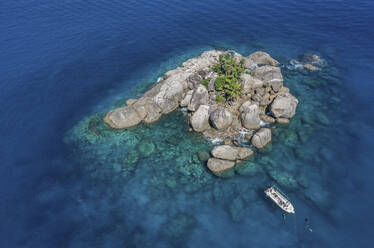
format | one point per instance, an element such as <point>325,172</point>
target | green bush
<point>219,83</point>
<point>205,82</point>
<point>229,76</point>
<point>220,98</point>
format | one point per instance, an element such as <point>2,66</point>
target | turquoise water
<point>173,196</point>
<point>69,181</point>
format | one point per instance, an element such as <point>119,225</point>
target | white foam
<point>184,110</point>
<point>275,80</point>
<point>264,124</point>
<point>216,141</point>
<point>295,65</point>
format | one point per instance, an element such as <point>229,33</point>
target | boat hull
<point>279,199</point>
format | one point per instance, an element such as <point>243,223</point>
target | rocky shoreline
<point>228,97</point>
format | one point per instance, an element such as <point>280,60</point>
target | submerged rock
<point>311,58</point>
<point>130,161</point>
<point>310,67</point>
<point>248,168</point>
<point>146,148</point>
<point>178,226</point>
<point>284,179</point>
<point>203,156</point>
<point>237,209</point>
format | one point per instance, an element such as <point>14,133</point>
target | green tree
<point>228,79</point>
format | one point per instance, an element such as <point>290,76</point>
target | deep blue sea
<point>63,63</point>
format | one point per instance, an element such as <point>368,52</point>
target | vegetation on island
<point>220,98</point>
<point>205,82</point>
<point>228,81</point>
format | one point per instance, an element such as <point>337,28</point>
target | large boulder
<point>147,109</point>
<point>219,166</point>
<point>186,100</point>
<point>228,152</point>
<point>270,75</point>
<point>124,117</point>
<point>244,152</point>
<point>194,81</point>
<point>200,119</point>
<point>262,58</point>
<point>199,96</point>
<point>225,152</point>
<point>251,117</point>
<point>284,106</point>
<point>248,82</point>
<point>261,138</point>
<point>221,118</point>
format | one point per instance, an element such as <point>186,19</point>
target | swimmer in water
<point>308,226</point>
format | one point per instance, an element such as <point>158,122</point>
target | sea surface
<point>66,180</point>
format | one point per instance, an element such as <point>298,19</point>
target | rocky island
<point>229,98</point>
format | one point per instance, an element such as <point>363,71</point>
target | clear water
<point>66,181</point>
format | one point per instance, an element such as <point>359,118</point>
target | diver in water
<point>308,227</point>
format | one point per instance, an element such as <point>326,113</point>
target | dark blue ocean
<point>66,183</point>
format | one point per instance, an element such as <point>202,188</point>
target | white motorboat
<point>280,200</point>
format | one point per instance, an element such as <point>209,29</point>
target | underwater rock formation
<point>228,97</point>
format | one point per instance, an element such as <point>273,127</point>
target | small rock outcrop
<point>228,97</point>
<point>308,61</point>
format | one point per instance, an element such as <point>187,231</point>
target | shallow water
<point>67,181</point>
